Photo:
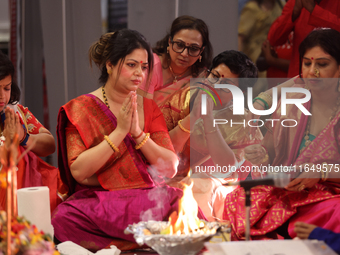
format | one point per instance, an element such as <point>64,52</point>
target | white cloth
<point>70,248</point>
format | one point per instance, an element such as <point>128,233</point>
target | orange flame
<point>186,220</point>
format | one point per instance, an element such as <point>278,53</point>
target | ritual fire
<point>184,233</point>
<point>186,220</point>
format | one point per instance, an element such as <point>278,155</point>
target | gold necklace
<point>105,98</point>
<point>306,137</point>
<point>176,75</point>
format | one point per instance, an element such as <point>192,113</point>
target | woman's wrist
<point>141,141</point>
<point>265,157</point>
<point>324,172</point>
<point>25,137</point>
<point>137,134</point>
<point>184,126</point>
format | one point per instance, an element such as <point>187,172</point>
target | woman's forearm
<point>178,136</point>
<point>43,144</point>
<point>219,150</point>
<point>161,158</point>
<point>280,63</point>
<point>91,160</point>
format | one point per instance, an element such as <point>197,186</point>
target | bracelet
<point>322,176</point>
<point>147,135</point>
<point>265,159</point>
<point>211,132</point>
<point>138,135</point>
<point>266,106</point>
<point>113,147</point>
<point>266,97</point>
<point>24,140</point>
<point>183,128</point>
<point>264,148</point>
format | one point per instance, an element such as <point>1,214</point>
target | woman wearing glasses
<point>182,54</point>
<point>211,146</point>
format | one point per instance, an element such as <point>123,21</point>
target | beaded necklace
<point>105,98</point>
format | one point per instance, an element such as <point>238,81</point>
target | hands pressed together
<point>127,118</point>
<point>12,125</point>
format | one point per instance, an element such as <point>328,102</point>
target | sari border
<point>297,141</point>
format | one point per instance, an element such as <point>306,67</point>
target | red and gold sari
<point>95,217</point>
<point>272,207</point>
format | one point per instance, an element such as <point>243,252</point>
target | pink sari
<point>272,207</point>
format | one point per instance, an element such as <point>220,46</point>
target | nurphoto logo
<point>238,104</point>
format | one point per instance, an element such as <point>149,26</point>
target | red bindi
<point>141,62</point>
<point>222,75</point>
<point>312,58</point>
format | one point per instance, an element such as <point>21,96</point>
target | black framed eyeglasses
<point>179,47</point>
<point>214,78</point>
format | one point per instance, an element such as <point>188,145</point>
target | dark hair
<point>115,46</point>
<point>188,22</point>
<point>327,39</point>
<point>7,68</point>
<point>239,64</point>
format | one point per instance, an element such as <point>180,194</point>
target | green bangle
<point>259,104</point>
<point>266,106</point>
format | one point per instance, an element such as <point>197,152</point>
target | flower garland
<point>26,238</point>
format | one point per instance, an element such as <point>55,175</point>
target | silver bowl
<point>189,244</point>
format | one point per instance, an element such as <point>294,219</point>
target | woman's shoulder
<point>81,105</point>
<point>80,100</point>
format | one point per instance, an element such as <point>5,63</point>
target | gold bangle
<point>183,128</point>
<point>211,132</point>
<point>266,97</point>
<point>266,157</point>
<point>147,135</point>
<point>113,147</point>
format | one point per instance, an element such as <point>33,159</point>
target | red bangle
<point>264,148</point>
<point>138,135</point>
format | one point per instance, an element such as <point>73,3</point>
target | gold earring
<point>167,49</point>
<point>200,58</point>
<point>109,71</point>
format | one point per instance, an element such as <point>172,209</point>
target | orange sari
<point>32,170</point>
